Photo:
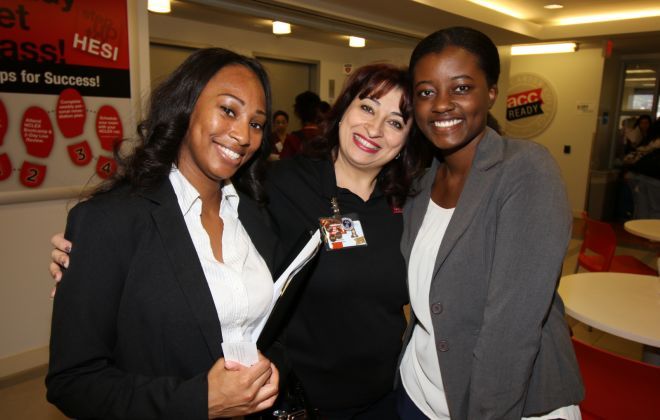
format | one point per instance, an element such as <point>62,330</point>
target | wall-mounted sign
<point>531,104</point>
<point>64,92</point>
<point>348,68</point>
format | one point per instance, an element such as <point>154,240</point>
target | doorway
<point>289,78</point>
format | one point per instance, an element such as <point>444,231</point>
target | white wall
<point>576,78</point>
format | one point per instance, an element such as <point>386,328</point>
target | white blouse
<point>241,286</point>
<point>420,371</point>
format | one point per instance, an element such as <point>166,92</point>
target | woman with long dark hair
<point>164,273</point>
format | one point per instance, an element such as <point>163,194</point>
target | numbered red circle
<point>108,127</point>
<point>32,174</point>
<point>5,167</point>
<point>71,113</point>
<point>37,132</point>
<point>106,167</point>
<point>80,153</point>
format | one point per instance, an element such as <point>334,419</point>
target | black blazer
<point>134,328</point>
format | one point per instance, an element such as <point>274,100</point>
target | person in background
<point>643,124</point>
<point>647,146</point>
<point>164,272</point>
<point>484,242</point>
<point>306,108</point>
<point>630,135</point>
<point>344,336</point>
<point>279,135</point>
<point>324,110</point>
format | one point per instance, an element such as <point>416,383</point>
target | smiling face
<point>372,131</point>
<point>226,126</point>
<point>451,98</point>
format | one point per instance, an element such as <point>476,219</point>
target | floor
<point>25,399</point>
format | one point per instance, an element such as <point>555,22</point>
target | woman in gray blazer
<point>484,242</point>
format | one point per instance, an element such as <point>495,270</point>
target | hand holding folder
<point>285,291</point>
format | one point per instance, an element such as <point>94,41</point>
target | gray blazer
<point>501,338</point>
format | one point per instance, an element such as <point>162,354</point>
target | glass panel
<point>639,86</point>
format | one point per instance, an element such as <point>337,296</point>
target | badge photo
<point>342,232</point>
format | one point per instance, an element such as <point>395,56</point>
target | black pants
<point>406,407</point>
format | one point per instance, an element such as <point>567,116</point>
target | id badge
<point>341,232</point>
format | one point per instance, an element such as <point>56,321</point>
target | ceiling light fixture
<point>281,28</point>
<point>159,6</point>
<point>498,8</point>
<point>636,14</point>
<point>553,48</point>
<point>356,42</point>
<point>553,6</point>
<point>640,79</point>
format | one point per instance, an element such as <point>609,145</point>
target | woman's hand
<point>236,390</point>
<point>59,258</point>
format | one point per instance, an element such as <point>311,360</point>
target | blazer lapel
<point>480,182</point>
<point>415,210</point>
<point>185,263</point>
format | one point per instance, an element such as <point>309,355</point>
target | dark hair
<point>467,38</point>
<point>282,113</point>
<point>492,122</point>
<point>375,80</point>
<point>171,104</point>
<point>307,106</point>
<point>324,107</point>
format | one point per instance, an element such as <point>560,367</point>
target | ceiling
<point>402,23</point>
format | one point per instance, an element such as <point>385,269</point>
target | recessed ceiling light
<point>281,28</point>
<point>356,42</point>
<point>553,6</point>
<point>492,5</point>
<point>639,71</point>
<point>159,6</point>
<point>552,48</point>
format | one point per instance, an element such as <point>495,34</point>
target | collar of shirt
<point>187,195</point>
<point>329,186</point>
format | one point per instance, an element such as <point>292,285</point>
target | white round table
<point>646,228</point>
<point>622,304</point>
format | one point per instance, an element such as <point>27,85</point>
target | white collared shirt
<point>241,286</point>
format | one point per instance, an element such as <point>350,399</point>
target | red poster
<point>48,46</point>
<point>65,92</point>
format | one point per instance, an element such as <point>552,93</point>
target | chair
<point>600,239</point>
<point>617,387</point>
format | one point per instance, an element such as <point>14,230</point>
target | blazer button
<point>436,308</point>
<point>442,345</point>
